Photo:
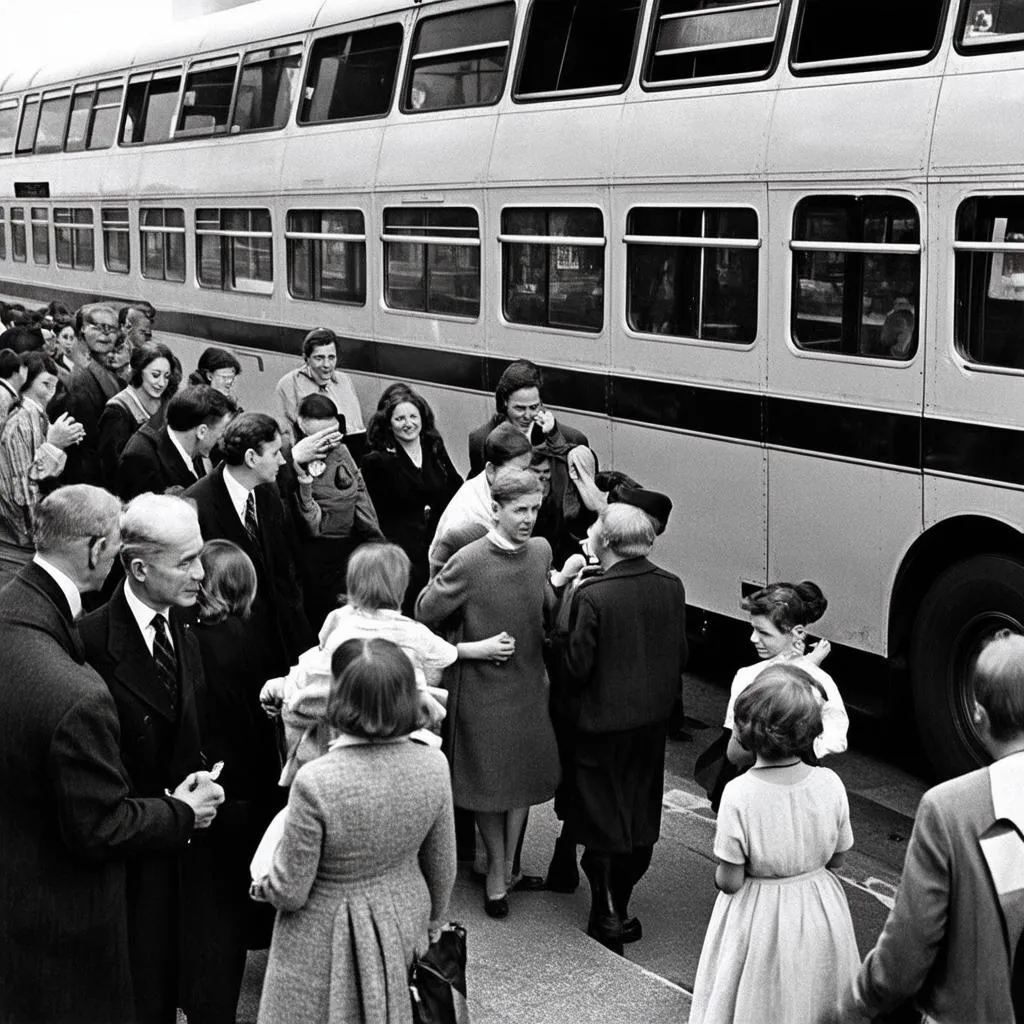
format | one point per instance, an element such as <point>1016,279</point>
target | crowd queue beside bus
<point>170,593</point>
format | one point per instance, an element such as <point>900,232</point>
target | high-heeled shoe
<point>497,907</point>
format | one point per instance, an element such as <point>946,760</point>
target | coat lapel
<point>134,668</point>
<point>1002,845</point>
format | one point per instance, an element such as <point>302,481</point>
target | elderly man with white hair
<point>141,644</point>
<point>625,653</point>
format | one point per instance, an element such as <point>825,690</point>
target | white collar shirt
<point>186,458</point>
<point>238,494</point>
<point>66,584</point>
<point>143,615</point>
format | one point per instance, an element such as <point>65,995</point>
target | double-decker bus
<point>770,254</point>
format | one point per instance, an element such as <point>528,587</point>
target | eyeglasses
<point>106,329</point>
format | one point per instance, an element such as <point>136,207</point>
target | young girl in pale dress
<point>780,947</point>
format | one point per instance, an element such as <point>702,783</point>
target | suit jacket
<point>89,388</point>
<point>68,820</point>
<point>278,619</point>
<point>570,435</point>
<point>950,937</point>
<point>626,647</point>
<point>150,462</point>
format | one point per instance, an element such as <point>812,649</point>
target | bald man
<point>140,644</point>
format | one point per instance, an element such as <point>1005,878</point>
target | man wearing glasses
<point>88,389</point>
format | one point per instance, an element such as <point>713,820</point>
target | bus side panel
<point>945,499</point>
<point>830,521</point>
<point>436,150</point>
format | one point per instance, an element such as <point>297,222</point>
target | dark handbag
<point>437,980</point>
<point>712,769</point>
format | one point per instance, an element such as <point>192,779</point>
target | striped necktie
<point>251,526</point>
<point>166,662</point>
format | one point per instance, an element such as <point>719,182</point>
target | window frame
<point>1015,41</point>
<point>109,226</point>
<point>228,236</point>
<point>72,228</point>
<point>701,242</point>
<point>412,56</point>
<point>387,237</point>
<point>651,85</point>
<point>3,234</point>
<point>149,77</point>
<point>293,46</point>
<point>35,99</point>
<point>19,226</point>
<point>588,241</point>
<point>39,224</point>
<point>93,90</point>
<point>862,249</point>
<point>292,236</point>
<point>880,62</point>
<point>198,65</point>
<point>572,94</point>
<point>65,92</point>
<point>163,229</point>
<point>15,105</point>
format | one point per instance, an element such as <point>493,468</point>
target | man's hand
<point>65,431</point>
<point>203,795</point>
<point>316,446</point>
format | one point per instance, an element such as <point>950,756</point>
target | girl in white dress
<point>780,947</point>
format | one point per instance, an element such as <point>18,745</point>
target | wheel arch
<point>945,544</point>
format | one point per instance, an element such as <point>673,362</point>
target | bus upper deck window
<point>459,60</point>
<point>692,40</point>
<point>692,272</point>
<point>847,35</point>
<point>53,117</point>
<point>206,99</point>
<point>351,75</point>
<point>8,126</point>
<point>29,121</point>
<point>577,47</point>
<point>989,281</point>
<point>149,110</point>
<point>993,24</point>
<point>267,88</point>
<point>856,276</point>
<point>92,123</point>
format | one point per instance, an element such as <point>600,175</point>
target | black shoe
<point>607,931</point>
<point>632,929</point>
<point>498,907</point>
<point>529,883</point>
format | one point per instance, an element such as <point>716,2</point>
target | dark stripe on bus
<point>888,438</point>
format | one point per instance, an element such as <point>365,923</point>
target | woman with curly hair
<point>410,477</point>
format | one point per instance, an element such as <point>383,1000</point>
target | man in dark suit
<point>517,400</point>
<point>143,648</point>
<point>88,390</point>
<point>239,502</point>
<point>157,459</point>
<point>68,816</point>
<point>625,653</point>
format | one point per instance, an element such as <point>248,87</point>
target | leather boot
<point>563,872</point>
<point>604,923</point>
<point>627,870</point>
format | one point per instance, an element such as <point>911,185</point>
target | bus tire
<point>965,606</point>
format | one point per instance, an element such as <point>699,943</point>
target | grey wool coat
<point>367,860</point>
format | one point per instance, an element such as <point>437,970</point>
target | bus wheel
<point>965,606</point>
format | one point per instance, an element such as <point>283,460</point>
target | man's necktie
<point>251,526</point>
<point>166,662</point>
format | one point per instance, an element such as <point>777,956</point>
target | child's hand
<point>499,647</point>
<point>819,652</point>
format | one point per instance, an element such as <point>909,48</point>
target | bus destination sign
<point>31,190</point>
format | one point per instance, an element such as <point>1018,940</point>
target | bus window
<point>432,260</point>
<point>149,110</point>
<point>856,276</point>
<point>116,239</point>
<point>989,282</point>
<point>40,235</point>
<point>694,40</point>
<point>267,88</point>
<point>459,60</point>
<point>8,126</point>
<point>162,237</point>
<point>993,24</point>
<point>29,122</point>
<point>576,47</point>
<point>19,248</point>
<point>53,117</point>
<point>327,255</point>
<point>692,273</point>
<point>351,75</point>
<point>235,250</point>
<point>72,236</point>
<point>93,120</point>
<point>553,267</point>
<point>836,35</point>
<point>3,236</point>
<point>206,100</point>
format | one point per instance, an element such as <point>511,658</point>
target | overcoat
<point>68,820</point>
<point>150,462</point>
<point>568,435</point>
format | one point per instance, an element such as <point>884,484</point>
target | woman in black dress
<point>410,477</point>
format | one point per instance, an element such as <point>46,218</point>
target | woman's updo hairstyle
<point>787,605</point>
<point>374,692</point>
<point>779,714</point>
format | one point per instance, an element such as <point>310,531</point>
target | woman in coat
<point>498,733</point>
<point>366,865</point>
<point>409,476</point>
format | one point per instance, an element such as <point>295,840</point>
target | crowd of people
<point>268,676</point>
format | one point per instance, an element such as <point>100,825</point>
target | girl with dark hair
<point>780,945</point>
<point>366,863</point>
<point>410,477</point>
<point>155,376</point>
<point>218,368</point>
